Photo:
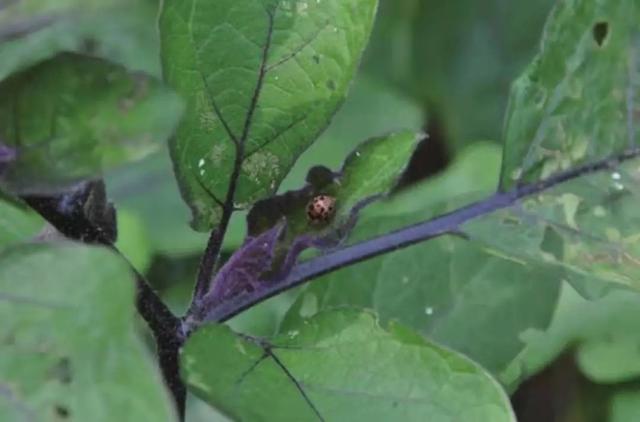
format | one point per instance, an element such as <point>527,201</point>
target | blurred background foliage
<point>441,66</point>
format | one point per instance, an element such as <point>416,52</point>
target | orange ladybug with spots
<point>321,209</point>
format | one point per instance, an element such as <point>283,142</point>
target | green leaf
<point>625,406</point>
<point>448,289</point>
<point>17,224</point>
<point>574,110</point>
<point>72,117</point>
<point>68,344</point>
<point>341,366</point>
<point>614,358</point>
<point>372,170</point>
<point>119,30</point>
<point>584,325</point>
<point>262,78</point>
<point>587,225</point>
<point>575,102</point>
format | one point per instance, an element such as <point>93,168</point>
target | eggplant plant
<point>427,302</point>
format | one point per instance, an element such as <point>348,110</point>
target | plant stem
<point>74,224</point>
<point>449,223</point>
<point>209,259</point>
<point>212,252</point>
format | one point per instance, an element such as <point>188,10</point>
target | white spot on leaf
<point>293,334</point>
<point>261,166</point>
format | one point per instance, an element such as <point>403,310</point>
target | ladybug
<point>321,208</point>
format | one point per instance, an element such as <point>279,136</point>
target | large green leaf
<point>339,366</point>
<point>449,289</point>
<point>262,79</point>
<point>72,117</point>
<point>69,349</point>
<point>576,101</point>
<point>120,30</point>
<point>17,224</point>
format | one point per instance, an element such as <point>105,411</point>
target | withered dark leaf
<point>243,271</point>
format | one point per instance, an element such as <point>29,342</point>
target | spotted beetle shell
<point>321,208</point>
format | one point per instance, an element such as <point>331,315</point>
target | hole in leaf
<point>61,411</point>
<point>600,32</point>
<point>61,371</point>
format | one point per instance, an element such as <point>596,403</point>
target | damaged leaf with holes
<point>577,102</point>
<point>589,226</point>
<point>279,228</point>
<point>73,117</point>
<point>329,368</point>
<point>69,346</point>
<point>262,79</point>
<point>576,107</point>
<point>370,172</point>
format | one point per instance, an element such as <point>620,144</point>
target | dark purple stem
<point>212,252</point>
<point>445,224</point>
<point>163,324</point>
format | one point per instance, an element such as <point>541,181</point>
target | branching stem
<point>212,252</point>
<point>446,224</point>
<point>163,324</point>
